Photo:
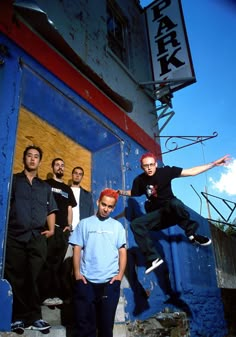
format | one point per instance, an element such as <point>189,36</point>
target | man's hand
<point>48,233</point>
<point>116,278</point>
<point>81,277</point>
<point>68,228</point>
<point>222,161</point>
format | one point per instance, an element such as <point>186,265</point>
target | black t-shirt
<point>30,206</point>
<point>64,197</point>
<point>157,188</point>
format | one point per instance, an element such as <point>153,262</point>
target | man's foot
<point>200,240</point>
<point>18,327</point>
<point>52,301</point>
<point>153,265</point>
<point>39,325</point>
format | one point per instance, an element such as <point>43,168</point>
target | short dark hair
<point>33,147</point>
<point>78,168</point>
<point>56,159</point>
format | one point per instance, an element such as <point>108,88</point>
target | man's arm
<point>124,193</point>
<point>202,168</point>
<point>122,264</point>
<point>76,263</point>
<point>69,219</point>
<point>51,218</point>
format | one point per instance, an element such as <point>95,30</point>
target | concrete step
<point>61,331</point>
<point>56,316</point>
<point>55,331</point>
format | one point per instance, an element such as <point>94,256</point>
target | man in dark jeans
<point>53,291</point>
<point>162,207</point>
<point>99,269</point>
<point>31,206</point>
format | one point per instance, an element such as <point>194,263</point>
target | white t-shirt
<point>75,210</point>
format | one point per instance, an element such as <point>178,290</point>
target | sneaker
<point>18,327</point>
<point>153,265</point>
<point>39,325</point>
<point>199,239</point>
<point>52,301</point>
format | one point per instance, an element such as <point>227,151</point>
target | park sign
<point>170,52</point>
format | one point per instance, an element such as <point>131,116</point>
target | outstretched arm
<point>202,168</point>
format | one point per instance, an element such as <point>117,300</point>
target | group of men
<point>48,218</point>
<point>39,226</point>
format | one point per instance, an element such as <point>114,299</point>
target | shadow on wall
<point>136,259</point>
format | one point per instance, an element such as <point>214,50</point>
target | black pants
<point>23,265</point>
<point>95,308</point>
<point>52,276</point>
<point>172,213</point>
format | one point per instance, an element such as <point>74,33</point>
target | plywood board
<point>32,130</point>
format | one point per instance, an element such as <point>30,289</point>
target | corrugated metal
<point>225,255</point>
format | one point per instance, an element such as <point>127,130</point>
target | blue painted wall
<point>189,271</point>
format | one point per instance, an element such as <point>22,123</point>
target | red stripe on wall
<point>56,64</point>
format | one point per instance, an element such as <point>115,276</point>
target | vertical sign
<point>171,59</point>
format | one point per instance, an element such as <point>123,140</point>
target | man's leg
<point>15,272</point>
<point>182,216</point>
<point>52,289</point>
<point>141,227</point>
<point>106,309</point>
<point>85,314</point>
<point>37,253</point>
<point>186,223</point>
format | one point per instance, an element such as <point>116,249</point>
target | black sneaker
<point>39,325</point>
<point>18,327</point>
<point>200,240</point>
<point>153,265</point>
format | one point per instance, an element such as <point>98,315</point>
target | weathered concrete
<point>164,324</point>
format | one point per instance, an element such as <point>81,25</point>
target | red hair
<point>148,155</point>
<point>109,192</point>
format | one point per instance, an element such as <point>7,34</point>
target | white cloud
<point>227,180</point>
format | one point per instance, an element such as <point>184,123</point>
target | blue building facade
<point>36,77</point>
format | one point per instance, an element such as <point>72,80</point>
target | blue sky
<point>207,106</point>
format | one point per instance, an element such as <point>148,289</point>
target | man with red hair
<point>162,207</point>
<point>99,269</point>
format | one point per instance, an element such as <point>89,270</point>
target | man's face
<point>149,166</point>
<point>106,206</point>
<point>77,176</point>
<point>58,168</point>
<point>32,160</point>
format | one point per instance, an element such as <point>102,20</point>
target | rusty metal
<point>229,204</point>
<point>171,141</point>
<point>224,247</point>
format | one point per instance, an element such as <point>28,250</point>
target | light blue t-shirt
<point>100,240</point>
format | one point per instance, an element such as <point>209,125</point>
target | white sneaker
<point>153,265</point>
<point>52,301</point>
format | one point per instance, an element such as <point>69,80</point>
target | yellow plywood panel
<point>32,130</point>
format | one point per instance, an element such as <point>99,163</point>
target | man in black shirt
<point>162,207</point>
<point>31,206</point>
<point>52,291</point>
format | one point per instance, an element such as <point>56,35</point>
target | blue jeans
<point>172,213</point>
<point>95,308</point>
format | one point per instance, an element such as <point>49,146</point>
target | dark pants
<point>172,213</point>
<point>23,265</point>
<point>52,276</point>
<point>95,308</point>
